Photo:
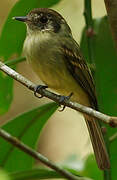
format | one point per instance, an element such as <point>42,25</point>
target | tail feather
<point>98,143</point>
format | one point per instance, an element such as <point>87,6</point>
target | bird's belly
<point>53,73</point>
<point>60,81</point>
<point>53,76</point>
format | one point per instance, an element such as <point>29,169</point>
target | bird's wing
<point>79,70</point>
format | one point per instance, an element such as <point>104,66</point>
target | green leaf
<point>105,59</point>
<point>40,173</point>
<point>4,175</point>
<point>26,127</point>
<point>6,92</point>
<point>91,170</point>
<point>46,4</point>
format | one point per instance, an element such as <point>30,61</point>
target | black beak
<point>21,18</point>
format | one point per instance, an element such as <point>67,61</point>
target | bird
<point>56,58</point>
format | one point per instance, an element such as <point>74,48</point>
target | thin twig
<point>15,61</point>
<point>112,121</point>
<point>113,137</point>
<point>14,141</point>
<point>88,14</point>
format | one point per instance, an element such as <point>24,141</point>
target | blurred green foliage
<point>105,60</point>
<point>6,92</point>
<point>26,127</point>
<point>4,175</point>
<point>91,170</point>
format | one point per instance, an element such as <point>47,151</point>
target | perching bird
<point>56,58</point>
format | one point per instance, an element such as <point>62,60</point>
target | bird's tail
<point>98,143</point>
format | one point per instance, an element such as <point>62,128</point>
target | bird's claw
<point>63,99</point>
<point>37,88</point>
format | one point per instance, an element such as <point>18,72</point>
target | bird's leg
<point>37,88</point>
<point>63,99</point>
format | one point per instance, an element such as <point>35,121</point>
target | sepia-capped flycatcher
<point>56,58</point>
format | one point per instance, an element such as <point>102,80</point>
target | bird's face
<point>43,19</point>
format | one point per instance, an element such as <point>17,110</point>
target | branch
<point>88,14</point>
<point>89,29</point>
<point>14,141</point>
<point>112,121</point>
<point>111,7</point>
<point>15,61</point>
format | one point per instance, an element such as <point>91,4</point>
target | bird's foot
<point>62,100</point>
<point>37,88</point>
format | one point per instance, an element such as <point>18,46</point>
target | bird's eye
<point>43,19</point>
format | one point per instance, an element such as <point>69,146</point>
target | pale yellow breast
<point>46,60</point>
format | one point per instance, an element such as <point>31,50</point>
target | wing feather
<point>80,71</point>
